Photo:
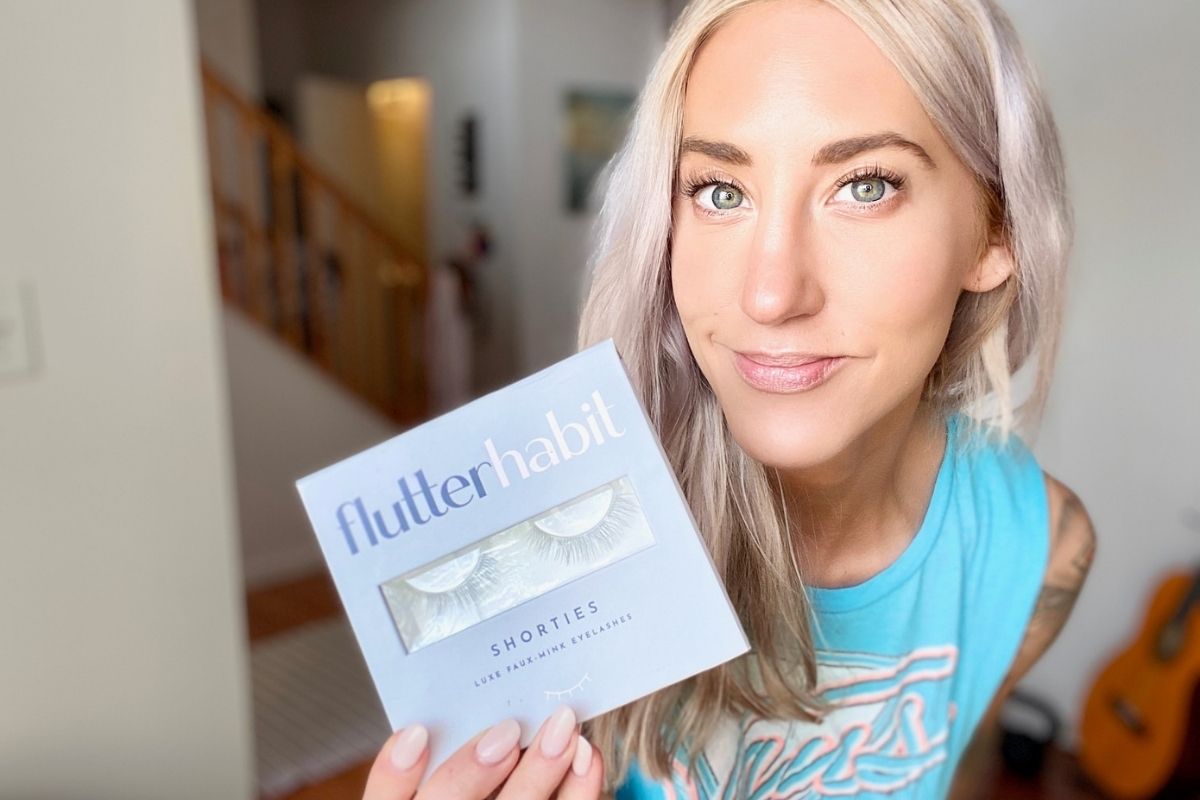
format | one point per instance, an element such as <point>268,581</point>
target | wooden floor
<point>288,605</point>
<point>981,775</point>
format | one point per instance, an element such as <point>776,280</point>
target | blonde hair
<point>965,65</point>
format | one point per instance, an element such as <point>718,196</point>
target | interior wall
<point>374,148</point>
<point>1122,428</point>
<point>124,672</point>
<point>228,32</point>
<point>334,125</point>
<point>288,420</point>
<point>565,44</point>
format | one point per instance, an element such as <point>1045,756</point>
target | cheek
<point>706,270</point>
<point>701,282</point>
<point>900,290</point>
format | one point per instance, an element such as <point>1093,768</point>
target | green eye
<point>724,197</point>
<point>868,190</point>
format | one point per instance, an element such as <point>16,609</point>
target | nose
<point>782,280</point>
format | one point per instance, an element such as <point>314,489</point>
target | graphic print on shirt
<point>891,726</point>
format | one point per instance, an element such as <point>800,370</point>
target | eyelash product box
<point>530,548</point>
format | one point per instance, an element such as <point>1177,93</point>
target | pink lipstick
<point>785,374</point>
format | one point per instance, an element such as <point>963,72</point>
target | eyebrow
<point>831,153</point>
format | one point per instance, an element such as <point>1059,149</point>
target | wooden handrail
<point>298,254</point>
<point>304,162</point>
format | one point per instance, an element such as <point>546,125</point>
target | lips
<point>784,359</point>
<point>804,372</point>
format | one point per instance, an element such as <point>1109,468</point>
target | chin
<point>786,438</point>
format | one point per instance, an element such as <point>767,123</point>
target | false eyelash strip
<point>519,563</point>
<point>586,543</point>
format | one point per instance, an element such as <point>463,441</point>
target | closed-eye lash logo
<point>418,503</point>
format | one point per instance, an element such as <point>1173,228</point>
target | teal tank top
<point>913,656</point>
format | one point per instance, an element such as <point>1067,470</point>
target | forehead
<point>793,74</point>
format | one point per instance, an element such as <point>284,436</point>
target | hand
<point>559,759</point>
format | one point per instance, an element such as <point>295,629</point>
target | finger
<point>586,777</point>
<point>546,760</point>
<point>478,767</point>
<point>399,765</point>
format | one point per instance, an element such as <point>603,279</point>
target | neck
<point>856,512</point>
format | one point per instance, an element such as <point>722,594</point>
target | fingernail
<point>498,742</point>
<point>559,728</point>
<point>583,756</point>
<point>409,745</point>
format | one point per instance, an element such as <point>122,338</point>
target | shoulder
<point>1072,537</point>
<point>1071,551</point>
<point>1072,548</point>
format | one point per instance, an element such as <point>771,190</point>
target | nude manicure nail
<point>583,756</point>
<point>498,742</point>
<point>558,731</point>
<point>409,745</point>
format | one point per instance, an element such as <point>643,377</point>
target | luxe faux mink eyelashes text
<point>418,506</point>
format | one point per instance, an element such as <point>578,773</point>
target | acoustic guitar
<point>1139,723</point>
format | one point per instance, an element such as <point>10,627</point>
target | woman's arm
<point>1072,548</point>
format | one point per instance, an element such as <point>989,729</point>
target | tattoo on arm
<point>1063,584</point>
<point>1064,579</point>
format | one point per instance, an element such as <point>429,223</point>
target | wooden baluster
<point>233,225</point>
<point>349,311</point>
<point>386,357</point>
<point>337,294</point>
<point>311,289</point>
<point>285,278</point>
<point>273,221</point>
<point>372,344</point>
<point>410,304</point>
<point>364,291</point>
<point>395,278</point>
<point>415,304</point>
<point>254,299</point>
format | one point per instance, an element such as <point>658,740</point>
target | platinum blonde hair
<point>964,63</point>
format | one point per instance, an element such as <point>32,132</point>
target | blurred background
<point>247,238</point>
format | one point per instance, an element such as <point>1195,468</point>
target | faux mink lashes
<point>517,564</point>
<point>587,529</point>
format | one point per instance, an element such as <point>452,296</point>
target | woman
<point>835,231</point>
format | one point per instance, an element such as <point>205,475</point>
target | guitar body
<point>1135,723</point>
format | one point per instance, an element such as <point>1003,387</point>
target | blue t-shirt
<point>913,656</point>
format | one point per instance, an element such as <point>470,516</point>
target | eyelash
<point>465,597</point>
<point>592,544</point>
<point>692,186</point>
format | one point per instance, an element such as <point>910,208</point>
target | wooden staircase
<point>297,254</point>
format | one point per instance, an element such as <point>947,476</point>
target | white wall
<point>564,44</point>
<point>124,669</point>
<point>228,34</point>
<point>288,420</point>
<point>334,124</point>
<point>1123,429</point>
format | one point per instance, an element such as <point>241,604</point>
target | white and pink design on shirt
<point>891,726</point>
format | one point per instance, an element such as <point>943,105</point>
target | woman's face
<point>828,218</point>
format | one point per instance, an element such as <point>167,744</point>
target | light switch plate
<point>16,308</point>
